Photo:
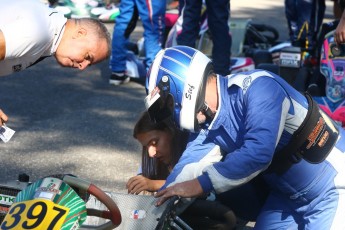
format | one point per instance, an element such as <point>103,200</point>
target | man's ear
<point>80,32</point>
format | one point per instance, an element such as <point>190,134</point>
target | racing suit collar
<point>222,83</point>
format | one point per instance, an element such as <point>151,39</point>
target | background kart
<point>297,65</point>
<point>248,41</point>
<point>100,9</point>
<point>104,10</point>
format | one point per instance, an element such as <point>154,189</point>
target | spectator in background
<point>339,35</point>
<point>152,15</point>
<point>304,18</point>
<point>338,7</point>
<point>218,13</point>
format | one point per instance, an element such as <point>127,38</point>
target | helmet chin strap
<point>207,112</point>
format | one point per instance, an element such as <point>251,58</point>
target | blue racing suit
<point>152,15</point>
<point>257,114</point>
<point>218,13</point>
<point>304,19</point>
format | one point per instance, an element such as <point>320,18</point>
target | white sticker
<point>45,195</point>
<point>6,133</point>
<point>152,98</point>
<point>6,199</point>
<point>137,214</point>
<point>50,184</point>
<point>290,60</point>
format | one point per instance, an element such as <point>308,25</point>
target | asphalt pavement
<point>68,121</point>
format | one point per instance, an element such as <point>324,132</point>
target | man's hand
<point>191,188</point>
<point>3,117</point>
<point>339,35</point>
<point>2,46</point>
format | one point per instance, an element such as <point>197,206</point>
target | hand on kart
<point>191,188</point>
<point>139,183</point>
<point>339,34</point>
<point>3,117</point>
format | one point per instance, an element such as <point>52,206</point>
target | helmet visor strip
<point>157,102</point>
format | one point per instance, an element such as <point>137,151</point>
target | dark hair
<point>152,168</point>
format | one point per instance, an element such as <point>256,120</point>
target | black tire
<point>260,35</point>
<point>268,31</point>
<point>314,90</point>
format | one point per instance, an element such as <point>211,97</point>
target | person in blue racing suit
<point>264,126</point>
<point>218,13</point>
<point>304,18</point>
<point>152,15</point>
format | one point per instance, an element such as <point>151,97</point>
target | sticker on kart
<point>35,214</point>
<point>290,60</point>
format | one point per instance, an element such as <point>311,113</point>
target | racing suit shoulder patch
<point>244,80</point>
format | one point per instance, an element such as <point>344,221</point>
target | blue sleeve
<point>198,155</point>
<point>264,107</point>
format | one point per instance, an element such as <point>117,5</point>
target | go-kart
<point>297,64</point>
<point>86,9</point>
<point>53,203</point>
<point>67,202</point>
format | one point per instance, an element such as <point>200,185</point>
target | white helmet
<point>176,83</point>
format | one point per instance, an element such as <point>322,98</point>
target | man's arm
<point>2,46</point>
<point>198,155</point>
<point>339,35</point>
<point>3,117</point>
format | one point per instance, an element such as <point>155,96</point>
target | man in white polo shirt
<point>31,31</point>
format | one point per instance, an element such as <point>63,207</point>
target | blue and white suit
<point>257,114</point>
<point>152,15</point>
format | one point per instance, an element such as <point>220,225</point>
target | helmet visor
<point>157,106</point>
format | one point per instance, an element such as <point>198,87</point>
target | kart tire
<point>314,90</point>
<point>317,80</point>
<point>262,56</point>
<point>269,67</point>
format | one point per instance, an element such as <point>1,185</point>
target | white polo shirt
<point>31,29</point>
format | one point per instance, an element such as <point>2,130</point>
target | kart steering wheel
<point>113,214</point>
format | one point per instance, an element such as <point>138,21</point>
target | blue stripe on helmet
<point>174,68</point>
<point>180,55</point>
<point>187,50</point>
